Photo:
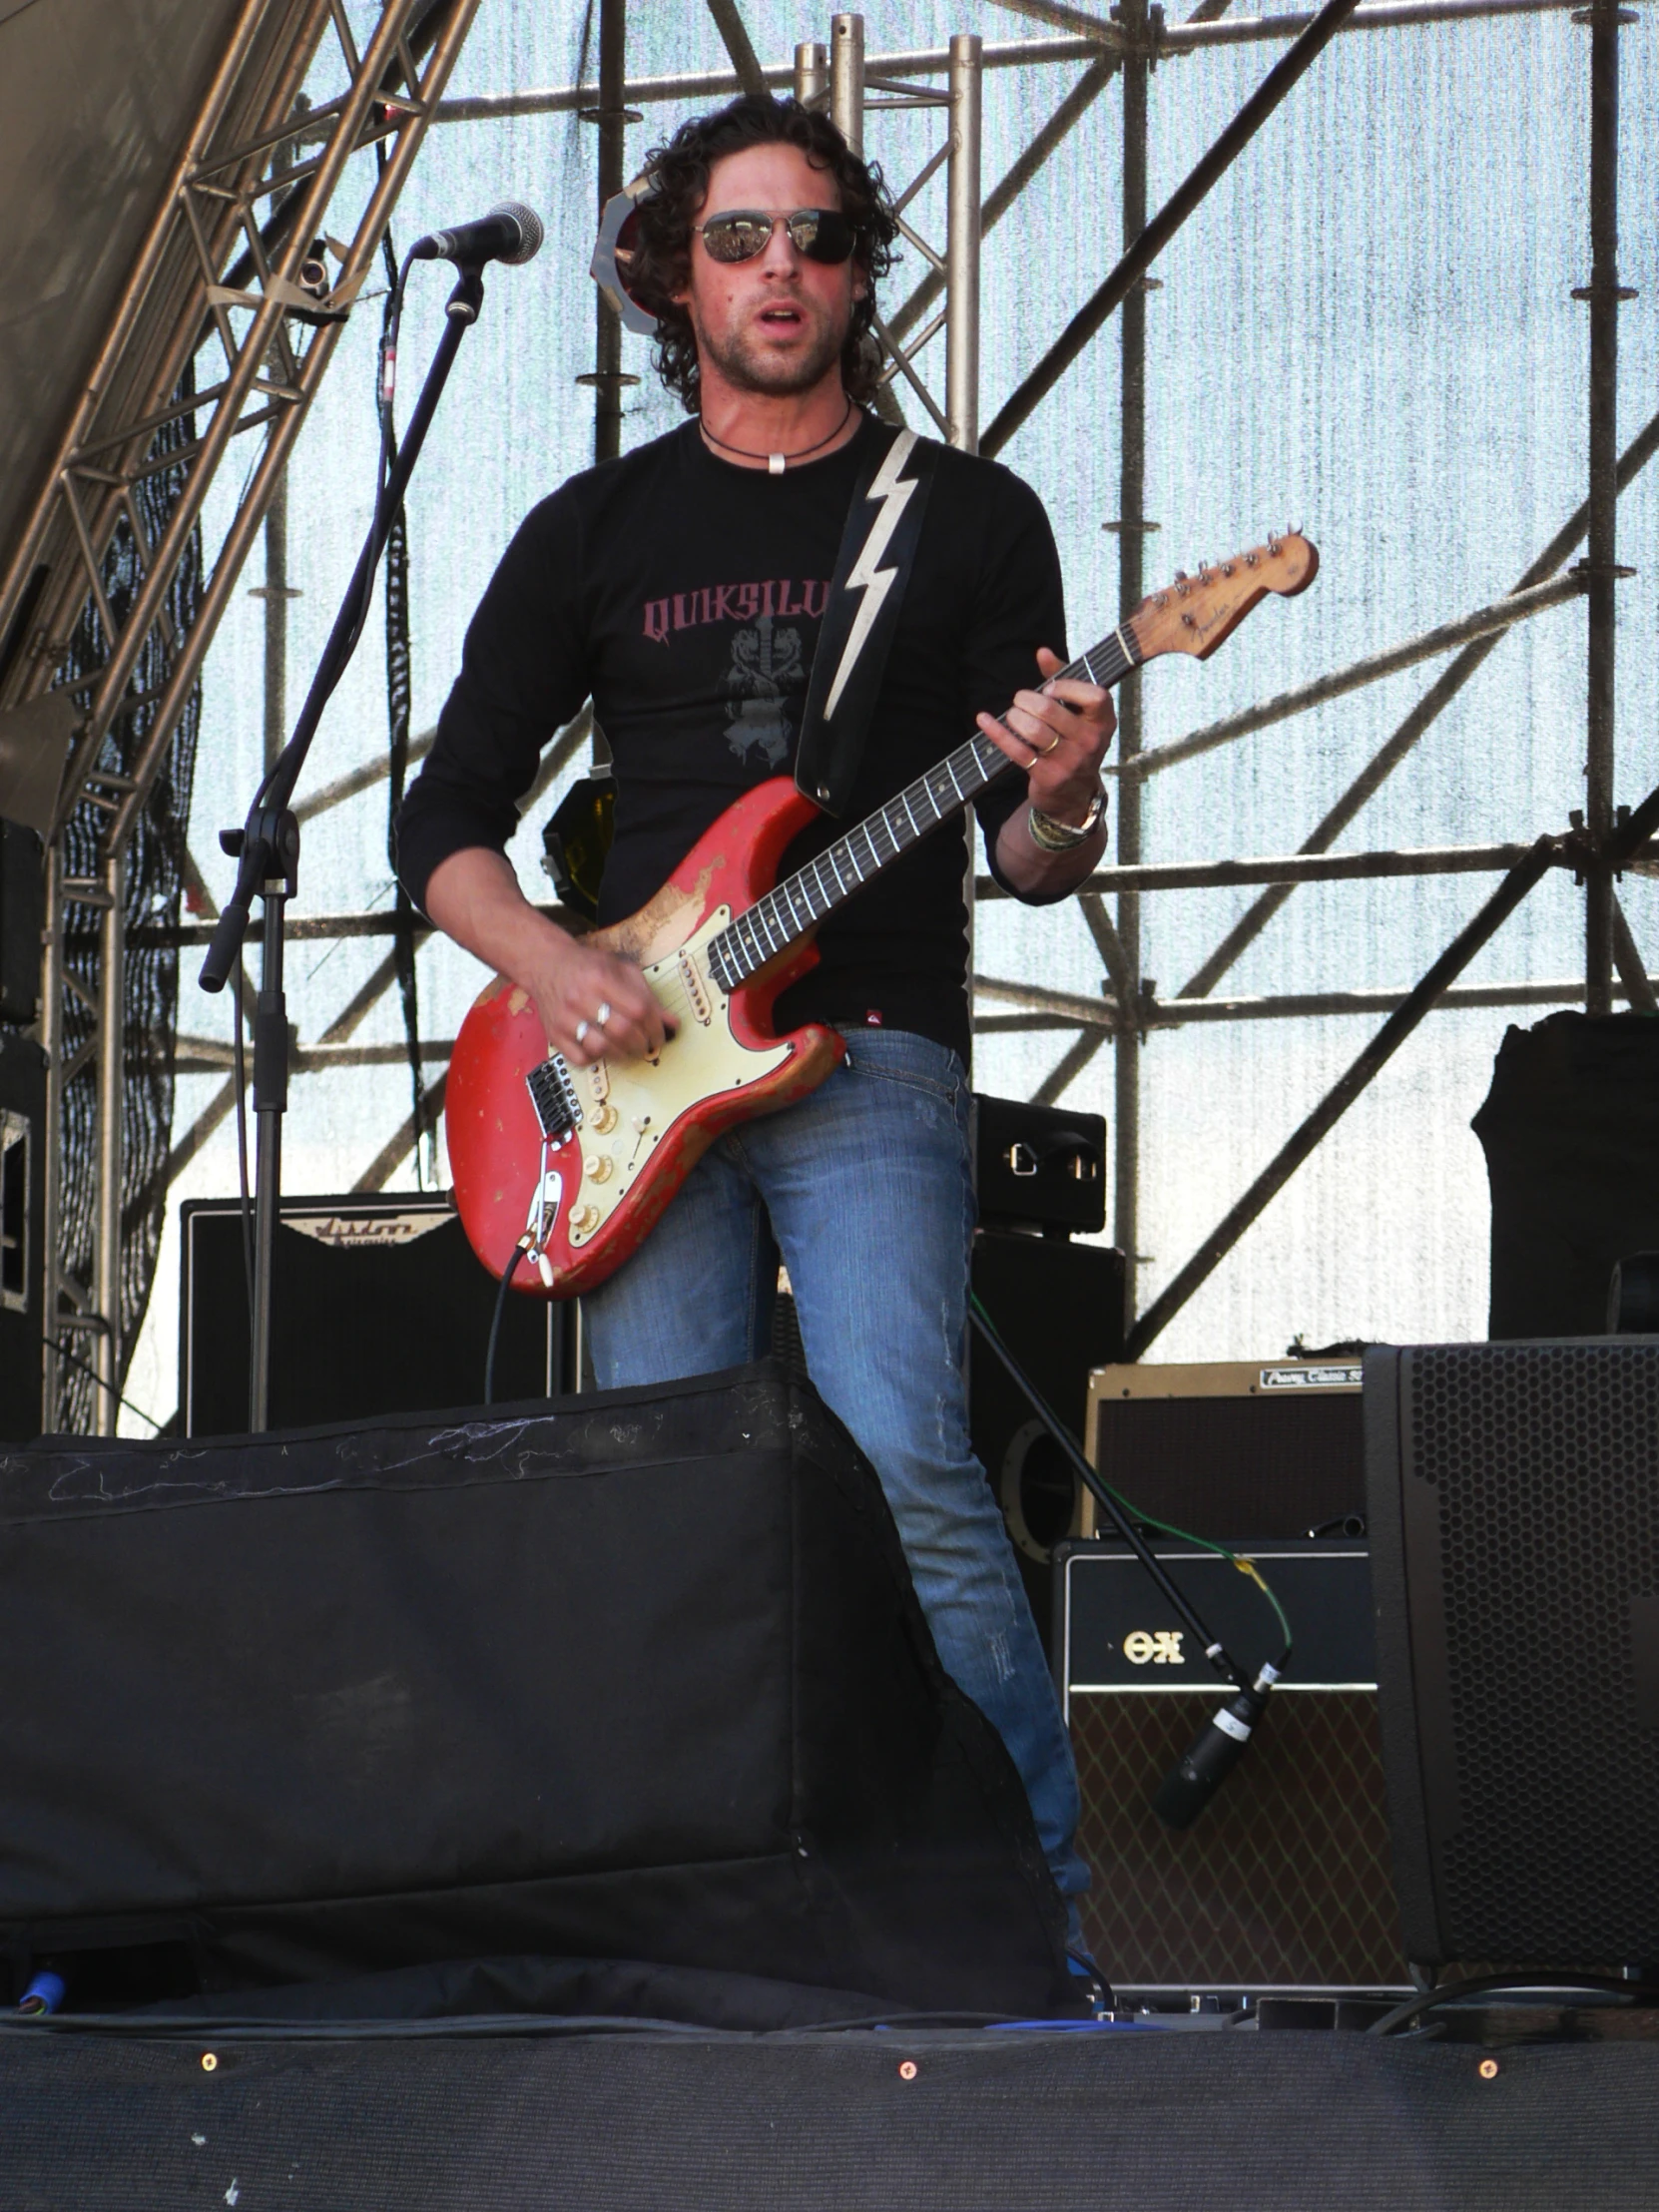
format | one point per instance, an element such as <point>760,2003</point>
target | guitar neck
<point>801,900</point>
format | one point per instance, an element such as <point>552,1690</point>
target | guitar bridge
<point>553,1095</point>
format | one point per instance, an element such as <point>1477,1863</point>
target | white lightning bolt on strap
<point>864,575</point>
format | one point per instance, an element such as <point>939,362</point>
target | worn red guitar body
<point>644,1124</point>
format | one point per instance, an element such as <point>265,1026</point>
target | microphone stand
<point>267,847</point>
<point>1221,1742</point>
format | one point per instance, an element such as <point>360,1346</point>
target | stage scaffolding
<point>1090,52</point>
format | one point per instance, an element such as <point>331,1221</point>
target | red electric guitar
<point>561,1172</point>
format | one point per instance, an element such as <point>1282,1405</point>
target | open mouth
<point>781,318</point>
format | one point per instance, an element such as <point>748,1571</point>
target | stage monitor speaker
<point>1514,1525</point>
<point>1232,1448</point>
<point>1283,1882</point>
<point>379,1305</point>
<point>1059,1309</point>
<point>639,1676</point>
<point>22,1243</point>
<point>1570,1130</point>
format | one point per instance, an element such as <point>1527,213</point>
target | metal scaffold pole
<point>1131,531</point>
<point>611,117</point>
<point>811,73</point>
<point>1603,293</point>
<point>961,253</point>
<point>112,1086</point>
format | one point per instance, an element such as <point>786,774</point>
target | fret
<point>751,944</point>
<point>790,888</point>
<point>904,798</point>
<point>852,858</point>
<point>950,771</point>
<point>834,867</point>
<point>824,900</point>
<point>870,845</point>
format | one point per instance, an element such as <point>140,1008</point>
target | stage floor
<point>889,2120</point>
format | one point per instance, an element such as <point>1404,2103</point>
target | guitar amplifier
<point>378,1307</point>
<point>1283,1881</point>
<point>1232,1448</point>
<point>1041,1167</point>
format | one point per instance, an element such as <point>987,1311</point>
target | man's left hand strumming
<point>1059,736</point>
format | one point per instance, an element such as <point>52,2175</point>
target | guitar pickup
<point>553,1095</point>
<point>696,996</point>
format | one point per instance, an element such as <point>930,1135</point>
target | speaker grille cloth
<point>1284,1879</point>
<point>1546,1462</point>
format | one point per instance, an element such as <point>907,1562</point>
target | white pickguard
<point>629,1106</point>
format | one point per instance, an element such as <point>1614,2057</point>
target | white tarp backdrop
<point>1368,331</point>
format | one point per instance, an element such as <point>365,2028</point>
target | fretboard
<point>803,899</point>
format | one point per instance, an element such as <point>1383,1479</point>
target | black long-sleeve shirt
<point>685,594</point>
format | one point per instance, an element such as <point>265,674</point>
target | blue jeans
<point>866,1187</point>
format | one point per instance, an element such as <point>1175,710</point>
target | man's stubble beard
<point>765,374</point>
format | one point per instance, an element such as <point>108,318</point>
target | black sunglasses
<point>743,234</point>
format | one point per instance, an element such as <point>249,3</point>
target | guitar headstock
<point>1195,613</point>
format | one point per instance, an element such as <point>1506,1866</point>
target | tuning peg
<point>1179,576</point>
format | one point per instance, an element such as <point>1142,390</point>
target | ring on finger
<point>1044,751</point>
<point>603,1015</point>
<point>582,1028</point>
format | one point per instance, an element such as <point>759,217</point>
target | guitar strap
<point>872,569</point>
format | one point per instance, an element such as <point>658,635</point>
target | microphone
<point>1217,1749</point>
<point>510,233</point>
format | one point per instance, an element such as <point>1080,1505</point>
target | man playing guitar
<point>682,588</point>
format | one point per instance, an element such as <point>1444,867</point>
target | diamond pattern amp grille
<point>1284,1877</point>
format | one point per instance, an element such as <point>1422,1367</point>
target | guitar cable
<point>511,1268</point>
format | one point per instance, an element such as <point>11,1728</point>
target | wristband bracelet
<point>1063,836</point>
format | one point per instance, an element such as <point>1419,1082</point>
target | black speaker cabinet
<point>1283,1882</point>
<point>1232,1448</point>
<point>378,1307</point>
<point>636,1676</point>
<point>1059,1309</point>
<point>1514,1517</point>
<point>22,1247</point>
<point>1570,1130</point>
<point>1038,1167</point>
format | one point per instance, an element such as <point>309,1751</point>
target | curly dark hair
<point>679,174</point>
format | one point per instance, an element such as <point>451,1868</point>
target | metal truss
<point>228,268</point>
<point>1101,50</point>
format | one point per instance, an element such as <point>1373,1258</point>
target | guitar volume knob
<point>605,1120</point>
<point>599,1167</point>
<point>584,1219</point>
